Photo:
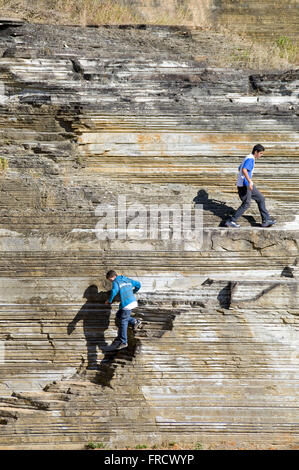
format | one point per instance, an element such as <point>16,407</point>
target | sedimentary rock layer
<point>86,123</point>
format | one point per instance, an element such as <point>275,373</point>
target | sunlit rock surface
<point>123,116</point>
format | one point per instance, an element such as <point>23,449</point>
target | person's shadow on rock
<point>96,317</point>
<point>218,208</point>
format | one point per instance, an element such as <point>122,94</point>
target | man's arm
<point>245,173</point>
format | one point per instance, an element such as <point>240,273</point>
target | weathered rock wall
<point>87,116</point>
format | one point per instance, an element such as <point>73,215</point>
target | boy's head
<point>111,275</point>
<point>258,150</point>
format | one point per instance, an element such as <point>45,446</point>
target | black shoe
<point>121,346</point>
<point>115,343</point>
<point>268,223</point>
<point>231,223</point>
<point>137,325</point>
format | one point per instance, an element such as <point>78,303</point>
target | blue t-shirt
<point>248,164</point>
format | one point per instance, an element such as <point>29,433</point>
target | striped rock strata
<point>92,124</point>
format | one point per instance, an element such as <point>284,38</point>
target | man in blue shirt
<point>247,190</point>
<point>126,288</point>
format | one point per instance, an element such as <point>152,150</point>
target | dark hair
<point>110,274</point>
<point>258,148</point>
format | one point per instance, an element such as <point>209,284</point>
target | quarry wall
<point>89,115</point>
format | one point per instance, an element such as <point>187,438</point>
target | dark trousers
<point>245,194</point>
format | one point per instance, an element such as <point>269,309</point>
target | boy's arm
<point>114,291</point>
<point>136,285</point>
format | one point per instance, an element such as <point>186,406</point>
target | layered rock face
<point>127,118</point>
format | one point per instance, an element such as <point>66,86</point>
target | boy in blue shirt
<point>126,288</point>
<point>247,190</point>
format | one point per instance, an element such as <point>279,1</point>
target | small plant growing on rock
<point>3,165</point>
<point>287,47</point>
<point>95,445</point>
<point>198,446</point>
<point>141,446</point>
<point>79,161</point>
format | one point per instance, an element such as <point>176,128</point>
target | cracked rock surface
<point>126,116</point>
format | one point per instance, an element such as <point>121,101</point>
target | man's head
<point>111,275</point>
<point>258,150</point>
